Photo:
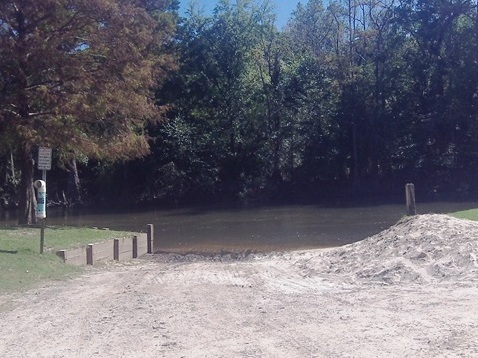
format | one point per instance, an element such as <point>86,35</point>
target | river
<point>257,229</point>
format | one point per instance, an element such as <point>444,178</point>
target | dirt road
<point>356,301</point>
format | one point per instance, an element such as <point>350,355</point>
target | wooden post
<point>135,247</point>
<point>410,197</point>
<point>116,249</point>
<point>150,235</point>
<point>61,254</point>
<point>42,235</point>
<point>89,254</point>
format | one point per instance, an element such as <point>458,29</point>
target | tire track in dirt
<point>252,306</point>
<point>304,304</point>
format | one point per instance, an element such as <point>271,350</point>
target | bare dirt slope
<point>410,291</point>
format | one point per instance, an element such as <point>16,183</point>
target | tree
<point>212,143</point>
<point>438,102</point>
<point>76,75</point>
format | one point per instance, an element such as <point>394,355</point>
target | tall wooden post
<point>116,252</point>
<point>42,235</point>
<point>410,198</point>
<point>135,247</point>
<point>150,235</point>
<point>89,254</point>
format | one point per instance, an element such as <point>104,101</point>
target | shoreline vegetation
<point>225,107</point>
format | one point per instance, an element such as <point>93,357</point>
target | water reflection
<point>261,229</point>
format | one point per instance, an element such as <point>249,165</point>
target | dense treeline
<point>350,97</point>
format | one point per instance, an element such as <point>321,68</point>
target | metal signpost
<point>44,164</point>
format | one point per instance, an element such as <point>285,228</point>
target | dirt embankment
<point>410,291</point>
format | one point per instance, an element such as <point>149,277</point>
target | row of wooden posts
<point>118,249</point>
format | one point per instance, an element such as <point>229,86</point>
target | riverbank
<point>21,264</point>
<point>409,291</point>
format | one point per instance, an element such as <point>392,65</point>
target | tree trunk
<point>73,189</point>
<point>12,169</point>
<point>26,215</point>
<point>355,157</point>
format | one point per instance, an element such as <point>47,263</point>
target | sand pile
<point>419,249</point>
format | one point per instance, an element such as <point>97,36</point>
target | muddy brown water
<point>260,229</point>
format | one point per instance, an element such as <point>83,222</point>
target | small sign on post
<point>44,158</point>
<point>44,164</point>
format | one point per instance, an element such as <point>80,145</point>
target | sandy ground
<point>410,291</point>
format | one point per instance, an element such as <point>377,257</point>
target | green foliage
<point>211,143</point>
<point>364,96</point>
<point>348,93</point>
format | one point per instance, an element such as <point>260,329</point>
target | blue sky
<point>283,8</point>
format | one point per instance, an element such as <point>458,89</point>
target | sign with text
<point>44,158</point>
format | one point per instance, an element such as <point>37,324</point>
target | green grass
<point>21,264</point>
<point>471,214</point>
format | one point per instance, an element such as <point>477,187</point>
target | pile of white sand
<point>419,249</point>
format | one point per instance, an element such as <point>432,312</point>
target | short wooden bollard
<point>116,253</point>
<point>62,255</point>
<point>135,247</point>
<point>150,235</point>
<point>410,197</point>
<point>89,254</point>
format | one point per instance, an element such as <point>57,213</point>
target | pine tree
<point>77,75</point>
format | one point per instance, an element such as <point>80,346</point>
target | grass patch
<point>471,214</point>
<point>60,237</point>
<point>25,269</point>
<point>22,266</point>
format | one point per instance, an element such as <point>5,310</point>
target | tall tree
<point>441,58</point>
<point>76,75</point>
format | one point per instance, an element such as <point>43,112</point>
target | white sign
<point>44,158</point>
